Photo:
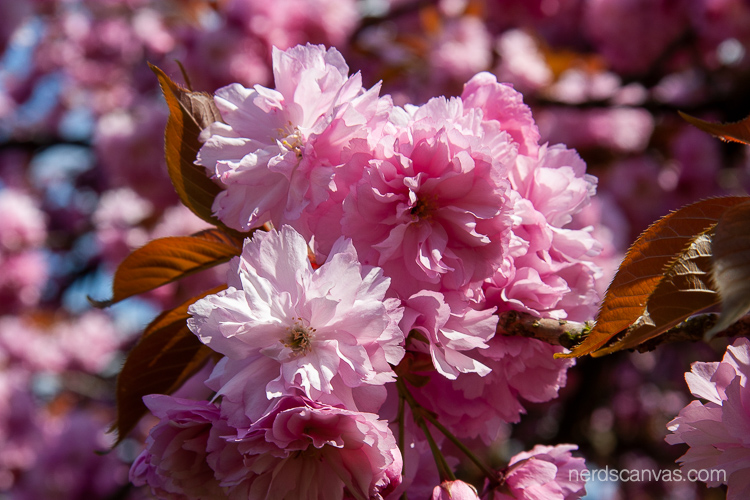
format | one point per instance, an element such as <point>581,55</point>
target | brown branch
<point>571,333</point>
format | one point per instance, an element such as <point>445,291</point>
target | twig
<point>571,333</point>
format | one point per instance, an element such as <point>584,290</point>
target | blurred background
<point>83,182</point>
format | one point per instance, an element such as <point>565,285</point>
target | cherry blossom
<point>449,326</point>
<point>279,148</point>
<point>174,464</point>
<point>454,490</point>
<point>432,207</point>
<point>288,328</point>
<point>549,472</point>
<point>304,449</point>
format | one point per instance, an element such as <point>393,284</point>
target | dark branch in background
<point>39,143</point>
<point>570,333</point>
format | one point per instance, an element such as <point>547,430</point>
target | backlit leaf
<point>731,265</point>
<point>167,355</point>
<point>685,290</point>
<point>189,113</point>
<point>165,260</point>
<point>645,265</point>
<point>736,132</point>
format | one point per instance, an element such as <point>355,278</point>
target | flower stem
<point>444,470</point>
<point>489,473</point>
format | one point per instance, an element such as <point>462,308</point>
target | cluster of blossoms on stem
<point>396,235</point>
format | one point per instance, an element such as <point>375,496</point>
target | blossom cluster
<point>79,140</point>
<point>396,234</point>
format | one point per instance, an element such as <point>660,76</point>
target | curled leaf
<point>167,355</point>
<point>731,265</point>
<point>685,290</point>
<point>646,265</point>
<point>189,113</point>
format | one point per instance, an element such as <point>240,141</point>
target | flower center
<point>291,138</point>
<point>299,338</point>
<point>424,207</point>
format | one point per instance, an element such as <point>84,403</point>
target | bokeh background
<point>83,182</point>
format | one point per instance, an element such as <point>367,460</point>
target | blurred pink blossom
<point>286,23</point>
<point>718,431</point>
<point>22,223</point>
<point>521,61</point>
<point>67,464</point>
<point>22,278</point>
<point>622,129</point>
<point>632,34</point>
<point>462,48</point>
<point>20,438</point>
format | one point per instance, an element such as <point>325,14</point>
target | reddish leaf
<point>189,113</point>
<point>645,265</point>
<point>731,265</point>
<point>736,132</point>
<point>685,290</point>
<point>167,355</point>
<point>169,259</point>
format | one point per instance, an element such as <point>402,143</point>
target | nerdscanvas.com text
<point>649,475</point>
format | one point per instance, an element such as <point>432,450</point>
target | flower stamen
<point>299,339</point>
<point>291,138</point>
<point>424,207</point>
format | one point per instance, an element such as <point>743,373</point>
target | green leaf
<point>167,355</point>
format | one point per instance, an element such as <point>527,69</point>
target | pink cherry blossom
<point>474,406</point>
<point>284,327</point>
<point>718,431</point>
<point>449,326</point>
<point>174,463</point>
<point>545,472</point>
<point>307,450</point>
<point>549,269</point>
<point>454,490</point>
<point>279,148</point>
<point>431,208</point>
<point>503,105</point>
